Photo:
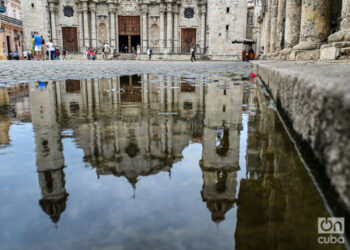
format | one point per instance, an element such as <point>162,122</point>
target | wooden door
<point>188,40</point>
<point>70,39</point>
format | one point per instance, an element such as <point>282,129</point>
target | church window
<point>189,13</point>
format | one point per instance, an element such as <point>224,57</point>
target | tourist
<point>43,47</point>
<point>106,50</point>
<point>65,54</point>
<point>37,44</point>
<point>25,55</point>
<point>51,49</point>
<point>16,55</point>
<point>6,55</point>
<point>149,53</point>
<point>57,54</point>
<point>11,55</point>
<point>95,53</point>
<point>193,54</point>
<point>115,54</point>
<point>126,49</point>
<point>91,55</point>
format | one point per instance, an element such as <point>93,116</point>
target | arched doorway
<point>129,33</point>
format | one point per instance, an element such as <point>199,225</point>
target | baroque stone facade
<point>304,30</point>
<point>169,27</point>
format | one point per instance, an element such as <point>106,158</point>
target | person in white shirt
<point>51,48</point>
<point>25,55</point>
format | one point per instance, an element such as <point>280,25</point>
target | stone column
<point>315,24</point>
<point>169,28</point>
<point>203,30</point>
<point>81,28</point>
<point>144,10</point>
<point>86,25</point>
<point>117,31</point>
<point>53,10</point>
<point>161,28</point>
<point>112,23</point>
<point>268,27</point>
<point>92,8</point>
<point>293,19</point>
<point>273,15</point>
<point>344,33</point>
<point>176,29</point>
<point>280,16</point>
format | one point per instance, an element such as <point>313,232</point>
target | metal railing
<point>11,20</point>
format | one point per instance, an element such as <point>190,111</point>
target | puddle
<point>136,162</point>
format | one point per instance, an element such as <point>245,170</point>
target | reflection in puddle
<point>192,150</point>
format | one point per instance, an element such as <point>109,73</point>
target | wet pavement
<point>183,160</point>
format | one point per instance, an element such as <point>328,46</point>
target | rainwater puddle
<point>151,162</point>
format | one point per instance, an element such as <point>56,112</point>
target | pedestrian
<point>43,49</point>
<point>106,50</point>
<point>51,49</point>
<point>95,53</point>
<point>57,54</point>
<point>193,54</point>
<point>37,44</point>
<point>91,54</point>
<point>6,55</point>
<point>16,55</point>
<point>11,55</point>
<point>25,55</point>
<point>65,54</point>
<point>149,53</point>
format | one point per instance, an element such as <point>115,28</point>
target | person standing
<point>193,55</point>
<point>149,52</point>
<point>57,54</point>
<point>65,54</point>
<point>37,44</point>
<point>106,50</point>
<point>25,55</point>
<point>43,49</point>
<point>51,49</point>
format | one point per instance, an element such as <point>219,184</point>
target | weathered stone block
<point>329,53</point>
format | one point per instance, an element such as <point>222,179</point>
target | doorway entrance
<point>188,40</point>
<point>8,45</point>
<point>129,33</point>
<point>70,39</point>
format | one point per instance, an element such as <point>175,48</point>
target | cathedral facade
<point>169,27</point>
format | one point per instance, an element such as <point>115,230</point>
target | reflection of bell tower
<point>221,137</point>
<point>49,149</point>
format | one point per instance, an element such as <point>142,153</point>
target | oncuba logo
<point>332,230</point>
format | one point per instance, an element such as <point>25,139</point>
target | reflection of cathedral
<point>49,155</point>
<point>220,157</point>
<point>136,126</point>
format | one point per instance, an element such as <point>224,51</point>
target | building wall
<point>220,39</point>
<point>12,29</point>
<point>209,20</point>
<point>35,19</point>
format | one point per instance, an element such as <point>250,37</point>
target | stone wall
<point>220,39</point>
<point>161,24</point>
<point>35,19</point>
<point>315,102</point>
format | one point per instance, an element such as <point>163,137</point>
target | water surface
<point>151,162</point>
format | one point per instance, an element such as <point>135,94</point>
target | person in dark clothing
<point>193,55</point>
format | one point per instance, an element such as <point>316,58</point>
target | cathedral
<point>170,27</point>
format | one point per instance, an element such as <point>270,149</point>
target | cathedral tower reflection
<point>221,137</point>
<point>49,149</point>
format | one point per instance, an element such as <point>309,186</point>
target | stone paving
<point>27,71</point>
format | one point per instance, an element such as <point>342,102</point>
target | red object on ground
<point>253,75</point>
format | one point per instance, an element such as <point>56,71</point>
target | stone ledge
<point>315,100</point>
